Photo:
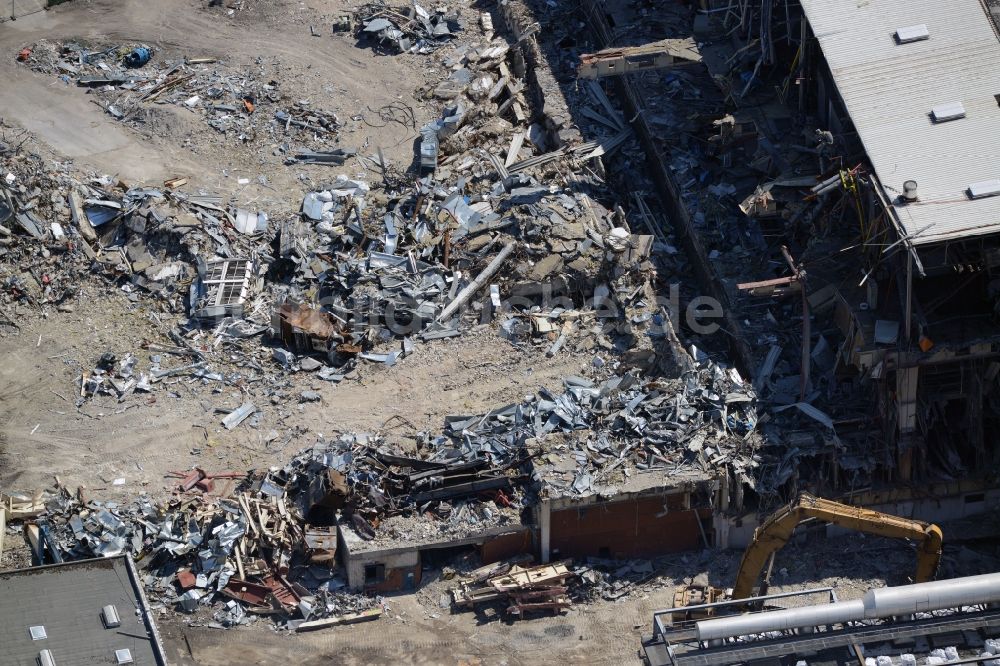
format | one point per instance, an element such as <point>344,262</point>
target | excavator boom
<point>778,529</point>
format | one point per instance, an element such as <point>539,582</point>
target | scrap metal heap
<point>269,542</point>
<point>532,242</point>
<point>745,168</point>
<point>358,267</point>
<point>409,29</point>
<point>240,554</point>
<point>502,222</point>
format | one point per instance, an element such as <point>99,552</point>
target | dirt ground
<point>43,434</point>
<point>273,35</point>
<point>43,360</point>
<point>419,630</point>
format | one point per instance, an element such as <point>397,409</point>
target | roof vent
<point>945,112</point>
<point>45,658</point>
<point>110,616</point>
<point>913,33</point>
<point>909,191</point>
<point>124,656</point>
<point>37,633</point>
<point>986,188</point>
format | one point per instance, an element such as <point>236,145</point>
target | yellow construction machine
<point>778,529</point>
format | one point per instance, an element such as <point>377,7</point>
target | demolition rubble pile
<point>251,538</point>
<point>625,425</point>
<point>610,580</point>
<point>389,262</point>
<point>244,104</point>
<point>382,275</point>
<point>499,216</point>
<point>483,470</point>
<point>503,219</point>
<point>243,554</point>
<point>408,29</point>
<point>593,436</point>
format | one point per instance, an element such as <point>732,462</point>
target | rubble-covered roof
<point>890,89</point>
<point>400,533</point>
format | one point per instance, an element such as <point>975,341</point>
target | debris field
<point>387,320</point>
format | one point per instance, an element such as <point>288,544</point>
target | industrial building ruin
<point>520,310</point>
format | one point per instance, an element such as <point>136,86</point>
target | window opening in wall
<point>374,574</point>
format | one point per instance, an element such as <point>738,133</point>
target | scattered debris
<point>411,29</point>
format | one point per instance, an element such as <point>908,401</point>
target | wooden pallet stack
<point>524,589</point>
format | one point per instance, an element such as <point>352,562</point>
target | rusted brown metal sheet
<point>305,329</point>
<point>247,592</point>
<point>622,529</point>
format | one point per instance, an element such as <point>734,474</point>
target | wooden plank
<point>775,282</point>
<point>34,538</point>
<point>519,578</point>
<point>519,113</point>
<point>249,516</point>
<point>80,218</point>
<point>238,552</point>
<point>21,510</point>
<point>263,521</point>
<point>515,146</point>
<point>350,618</point>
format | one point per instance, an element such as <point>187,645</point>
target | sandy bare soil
<point>37,414</point>
<point>44,434</point>
<point>329,70</point>
<point>418,630</point>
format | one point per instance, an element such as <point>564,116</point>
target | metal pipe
<point>742,602</point>
<point>781,620</point>
<point>875,604</point>
<point>908,599</point>
<point>478,283</point>
<point>659,628</point>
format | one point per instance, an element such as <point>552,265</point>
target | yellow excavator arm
<point>777,530</point>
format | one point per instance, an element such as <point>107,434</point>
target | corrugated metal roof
<point>890,88</point>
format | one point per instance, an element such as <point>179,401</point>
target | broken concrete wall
<point>933,503</point>
<point>546,97</point>
<point>399,567</point>
<point>397,579</point>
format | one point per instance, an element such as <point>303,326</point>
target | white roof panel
<point>889,89</point>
